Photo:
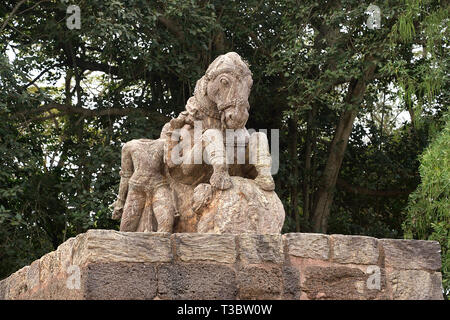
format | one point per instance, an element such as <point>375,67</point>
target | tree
<point>335,67</point>
<point>69,99</point>
<point>428,211</point>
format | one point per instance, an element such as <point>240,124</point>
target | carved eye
<point>224,81</point>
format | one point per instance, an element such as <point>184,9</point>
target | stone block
<point>18,284</point>
<point>355,249</point>
<point>109,265</point>
<point>196,281</point>
<point>291,283</point>
<point>64,254</point>
<point>33,275</point>
<point>60,288</point>
<point>308,245</point>
<point>416,285</point>
<point>4,289</point>
<point>205,247</point>
<point>339,283</point>
<point>48,267</point>
<point>260,282</point>
<point>114,246</point>
<point>412,254</point>
<point>259,248</point>
<point>120,281</point>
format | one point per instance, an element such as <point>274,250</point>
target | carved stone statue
<point>144,187</point>
<point>206,173</point>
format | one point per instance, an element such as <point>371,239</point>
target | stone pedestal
<point>105,264</point>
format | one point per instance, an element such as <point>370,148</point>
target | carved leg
<point>134,206</point>
<point>125,174</point>
<point>260,157</point>
<point>163,209</point>
<point>215,153</point>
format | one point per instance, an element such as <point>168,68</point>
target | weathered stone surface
<point>416,285</point>
<point>118,265</point>
<point>412,254</point>
<point>33,275</point>
<point>144,203</point>
<point>57,289</point>
<point>18,283</point>
<point>115,246</point>
<point>355,249</point>
<point>245,208</point>
<point>64,254</point>
<point>337,283</point>
<point>308,245</point>
<point>206,247</point>
<point>4,289</point>
<point>48,266</point>
<point>291,283</point>
<point>196,281</point>
<point>120,281</point>
<point>260,282</point>
<point>259,248</point>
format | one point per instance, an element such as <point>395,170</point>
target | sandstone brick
<point>308,245</point>
<point>205,247</point>
<point>114,246</point>
<point>355,249</point>
<point>291,283</point>
<point>57,289</point>
<point>64,253</point>
<point>33,275</point>
<point>196,281</point>
<point>18,284</point>
<point>118,265</point>
<point>48,266</point>
<point>412,254</point>
<point>4,289</point>
<point>120,281</point>
<point>416,285</point>
<point>259,248</point>
<point>339,283</point>
<point>256,282</point>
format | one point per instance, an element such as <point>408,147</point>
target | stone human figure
<point>145,199</point>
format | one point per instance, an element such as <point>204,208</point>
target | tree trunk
<point>327,183</point>
<point>307,169</point>
<point>324,197</point>
<point>293,154</point>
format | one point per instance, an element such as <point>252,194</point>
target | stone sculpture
<point>205,173</point>
<point>143,186</point>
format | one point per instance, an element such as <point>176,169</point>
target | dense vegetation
<point>356,108</point>
<point>429,206</point>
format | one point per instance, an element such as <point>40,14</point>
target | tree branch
<point>68,109</point>
<point>40,75</point>
<point>13,12</point>
<point>172,27</point>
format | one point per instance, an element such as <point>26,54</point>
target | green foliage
<point>428,212</point>
<point>69,99</point>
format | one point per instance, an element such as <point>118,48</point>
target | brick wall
<point>106,264</point>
